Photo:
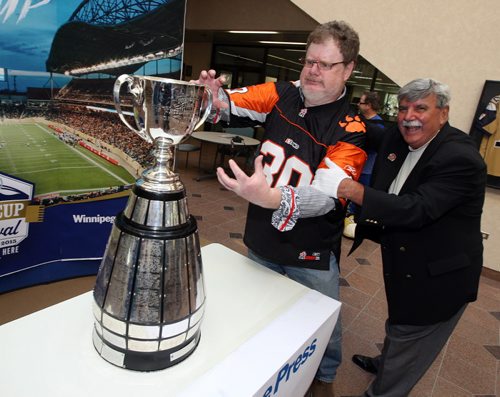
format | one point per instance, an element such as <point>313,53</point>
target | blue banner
<point>45,243</point>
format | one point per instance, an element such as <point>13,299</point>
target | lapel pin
<point>391,157</point>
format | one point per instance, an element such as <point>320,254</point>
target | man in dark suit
<point>424,208</point>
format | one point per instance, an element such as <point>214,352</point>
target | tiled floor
<point>469,365</point>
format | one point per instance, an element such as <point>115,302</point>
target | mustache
<point>314,80</point>
<point>412,124</point>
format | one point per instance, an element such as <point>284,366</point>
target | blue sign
<point>45,243</point>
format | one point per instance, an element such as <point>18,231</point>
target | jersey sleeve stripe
<point>247,113</point>
<point>254,102</point>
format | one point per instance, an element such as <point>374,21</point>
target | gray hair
<point>421,88</point>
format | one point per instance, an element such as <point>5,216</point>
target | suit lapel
<point>428,153</point>
<point>389,161</point>
<point>390,158</point>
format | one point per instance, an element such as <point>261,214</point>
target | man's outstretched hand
<point>254,188</point>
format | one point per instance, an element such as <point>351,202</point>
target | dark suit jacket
<point>430,232</point>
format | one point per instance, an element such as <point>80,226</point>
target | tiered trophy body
<point>149,294</point>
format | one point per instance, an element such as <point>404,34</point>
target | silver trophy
<point>149,294</point>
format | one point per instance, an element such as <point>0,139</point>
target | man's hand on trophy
<point>254,189</point>
<point>208,78</point>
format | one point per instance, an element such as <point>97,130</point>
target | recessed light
<point>282,42</point>
<point>252,32</point>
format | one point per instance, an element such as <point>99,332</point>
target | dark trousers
<point>408,352</point>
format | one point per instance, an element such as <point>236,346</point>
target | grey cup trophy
<point>149,294</point>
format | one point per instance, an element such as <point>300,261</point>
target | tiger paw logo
<point>353,124</point>
<point>16,212</point>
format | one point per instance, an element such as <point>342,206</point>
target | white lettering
<point>10,250</point>
<point>284,167</point>
<point>93,219</point>
<point>11,210</point>
<point>11,5</point>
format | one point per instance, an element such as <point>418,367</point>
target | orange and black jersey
<point>294,144</point>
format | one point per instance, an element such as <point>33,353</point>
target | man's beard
<point>313,96</point>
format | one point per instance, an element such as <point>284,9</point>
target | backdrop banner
<point>45,243</point>
<point>66,159</point>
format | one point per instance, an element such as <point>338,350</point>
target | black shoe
<point>365,363</point>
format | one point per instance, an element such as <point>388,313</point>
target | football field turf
<point>34,153</point>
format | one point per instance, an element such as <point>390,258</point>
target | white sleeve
<point>313,202</point>
<point>300,202</point>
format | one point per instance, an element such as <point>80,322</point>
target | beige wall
<point>490,223</point>
<point>454,41</point>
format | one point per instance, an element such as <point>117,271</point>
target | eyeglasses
<point>362,103</point>
<point>309,63</point>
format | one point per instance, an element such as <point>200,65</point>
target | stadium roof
<point>112,12</point>
<point>102,31</point>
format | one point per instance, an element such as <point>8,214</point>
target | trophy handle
<point>137,92</point>
<point>208,93</point>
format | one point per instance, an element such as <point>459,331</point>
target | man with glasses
<point>304,121</point>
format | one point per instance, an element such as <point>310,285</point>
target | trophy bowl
<point>162,107</point>
<point>149,295</point>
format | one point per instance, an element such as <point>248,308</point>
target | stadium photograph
<point>60,133</point>
<point>55,161</point>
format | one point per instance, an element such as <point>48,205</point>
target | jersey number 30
<point>281,169</point>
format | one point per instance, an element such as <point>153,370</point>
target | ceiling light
<point>253,32</point>
<point>282,42</point>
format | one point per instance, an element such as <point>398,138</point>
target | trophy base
<point>144,361</point>
<point>149,295</point>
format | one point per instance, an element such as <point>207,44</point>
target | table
<point>261,333</point>
<point>221,139</point>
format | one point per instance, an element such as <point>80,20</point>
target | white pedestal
<point>262,335</point>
